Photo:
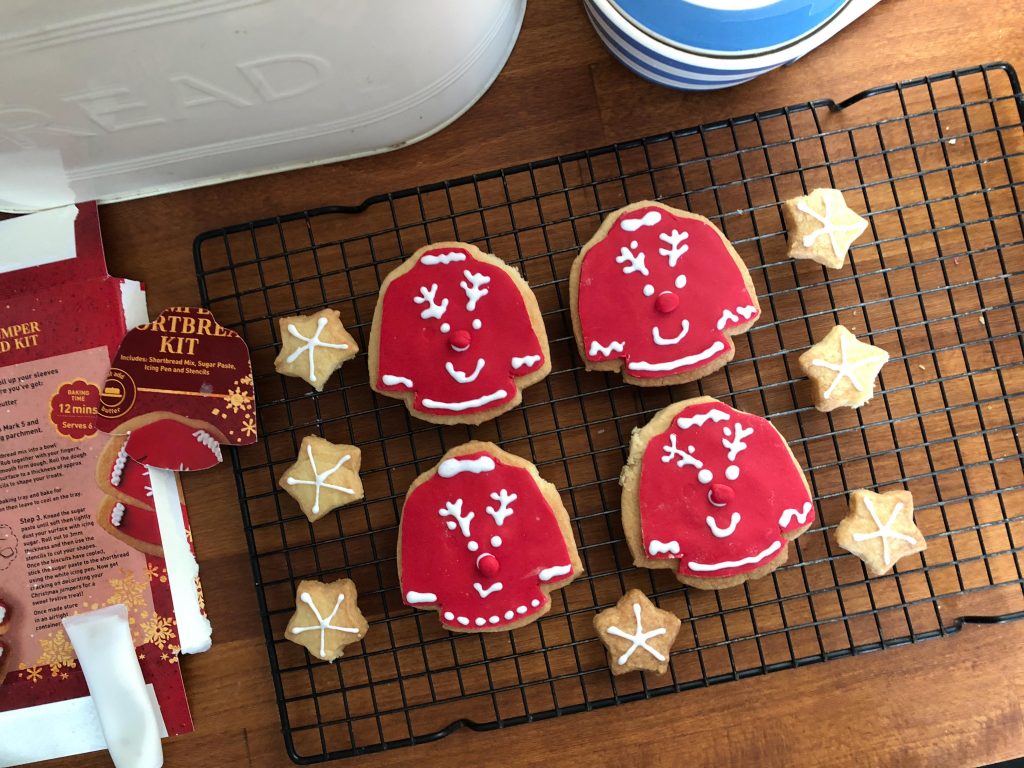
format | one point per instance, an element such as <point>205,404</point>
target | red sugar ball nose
<point>666,302</point>
<point>488,565</point>
<point>722,494</point>
<point>459,340</point>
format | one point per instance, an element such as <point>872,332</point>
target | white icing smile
<point>464,378</point>
<point>663,342</point>
<point>722,533</point>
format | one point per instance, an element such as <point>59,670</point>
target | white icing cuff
<point>103,643</point>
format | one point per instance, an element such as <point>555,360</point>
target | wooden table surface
<point>951,701</point>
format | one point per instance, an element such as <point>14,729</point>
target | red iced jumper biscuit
<point>454,329</point>
<point>658,292</point>
<point>719,494</point>
<point>480,544</point>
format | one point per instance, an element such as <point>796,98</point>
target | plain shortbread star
<point>842,369</point>
<point>880,529</point>
<point>637,634</point>
<point>821,227</point>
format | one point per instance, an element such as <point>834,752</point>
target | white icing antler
<point>633,262</point>
<point>733,442</point>
<point>675,248</point>
<point>504,499</point>
<point>672,451</point>
<point>454,509</point>
<point>474,288</point>
<point>433,309</point>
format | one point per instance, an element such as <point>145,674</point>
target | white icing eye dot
<point>690,448</point>
<point>648,290</point>
<point>726,430</point>
<point>472,546</point>
<point>681,281</point>
<point>732,472</point>
<point>705,476</point>
<point>477,325</point>
<point>451,523</point>
<point>445,327</point>
<point>633,244</point>
<point>495,541</point>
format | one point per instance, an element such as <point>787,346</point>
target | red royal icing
<point>466,354</point>
<point>171,444</point>
<point>461,564</point>
<point>750,499</point>
<point>673,318</point>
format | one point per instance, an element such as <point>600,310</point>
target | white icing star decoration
<point>880,529</point>
<point>842,369</point>
<point>643,648</point>
<point>821,227</point>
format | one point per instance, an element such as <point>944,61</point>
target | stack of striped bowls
<point>700,45</point>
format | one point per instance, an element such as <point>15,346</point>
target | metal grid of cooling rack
<point>938,164</point>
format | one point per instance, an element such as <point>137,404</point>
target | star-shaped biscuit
<point>821,226</point>
<point>314,346</point>
<point>637,634</point>
<point>880,529</point>
<point>326,618</point>
<point>842,369</point>
<point>325,476</point>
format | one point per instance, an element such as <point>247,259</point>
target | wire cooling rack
<point>937,163</point>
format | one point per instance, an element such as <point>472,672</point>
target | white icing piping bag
<point>194,630</point>
<point>103,643</point>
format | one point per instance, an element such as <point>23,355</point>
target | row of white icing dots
<point>481,621</point>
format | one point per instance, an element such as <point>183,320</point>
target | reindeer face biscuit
<point>658,293</point>
<point>712,492</point>
<point>880,529</point>
<point>821,227</point>
<point>637,634</point>
<point>483,540</point>
<point>457,334</point>
<point>326,618</point>
<point>314,346</point>
<point>842,370</point>
<point>324,476</point>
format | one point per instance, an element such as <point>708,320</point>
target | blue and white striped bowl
<point>699,45</point>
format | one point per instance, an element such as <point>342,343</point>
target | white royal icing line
<point>325,623</point>
<point>390,381</point>
<point>700,419</point>
<point>663,547</point>
<point>774,547</point>
<point>675,247</point>
<point>722,533</point>
<point>649,219</point>
<point>209,442</point>
<point>673,451</point>
<point>122,459</point>
<point>801,517</point>
<point>733,441</point>
<point>504,499</point>
<point>597,347</point>
<point>474,288</point>
<point>844,368</point>
<point>828,227</point>
<point>495,587</point>
<point>453,509</point>
<point>884,532</point>
<point>663,342</point>
<point>729,316</point>
<point>634,262</point>
<point>638,638</point>
<point>452,467</point>
<point>554,572</point>
<point>311,344</point>
<point>420,597</point>
<point>680,281</point>
<point>117,514</point>
<point>464,404</point>
<point>427,296</point>
<point>525,360</point>
<point>464,378</point>
<point>711,351</point>
<point>442,258</point>
<point>477,323</point>
<point>319,477</point>
<point>732,472</point>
